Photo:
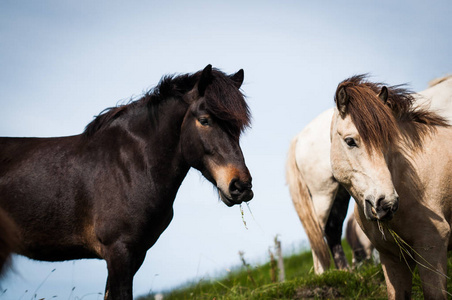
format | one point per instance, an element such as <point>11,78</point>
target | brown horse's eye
<point>350,142</point>
<point>204,121</point>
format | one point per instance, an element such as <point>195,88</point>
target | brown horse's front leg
<point>122,266</point>
<point>398,276</point>
<point>433,273</point>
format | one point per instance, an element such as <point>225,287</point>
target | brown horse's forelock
<point>377,122</point>
<point>227,104</point>
<point>223,100</point>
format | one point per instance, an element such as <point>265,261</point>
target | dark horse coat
<point>108,192</point>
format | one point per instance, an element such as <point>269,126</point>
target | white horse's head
<point>362,131</point>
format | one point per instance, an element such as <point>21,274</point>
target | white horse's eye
<point>350,142</point>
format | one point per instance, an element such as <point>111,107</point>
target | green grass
<point>367,282</point>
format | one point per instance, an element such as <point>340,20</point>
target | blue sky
<point>64,62</point>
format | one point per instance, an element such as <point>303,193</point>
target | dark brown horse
<point>108,192</point>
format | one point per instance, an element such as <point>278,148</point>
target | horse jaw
<point>225,198</point>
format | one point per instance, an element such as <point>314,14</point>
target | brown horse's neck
<point>415,139</point>
<point>160,132</point>
<point>144,142</point>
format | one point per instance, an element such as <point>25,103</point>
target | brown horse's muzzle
<point>234,184</point>
<point>240,191</point>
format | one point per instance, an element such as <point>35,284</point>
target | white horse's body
<point>313,189</point>
<point>315,138</point>
<point>309,167</point>
<point>438,97</point>
<point>396,161</point>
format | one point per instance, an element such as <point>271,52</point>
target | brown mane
<point>379,124</point>
<point>223,100</point>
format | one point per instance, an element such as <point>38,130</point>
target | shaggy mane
<point>223,100</point>
<point>377,122</point>
<point>437,81</point>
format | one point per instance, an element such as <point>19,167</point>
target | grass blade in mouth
<point>380,227</point>
<point>243,217</point>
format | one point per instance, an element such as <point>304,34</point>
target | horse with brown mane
<point>108,192</point>
<point>385,148</point>
<point>320,201</point>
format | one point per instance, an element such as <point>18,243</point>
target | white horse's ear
<point>238,78</point>
<point>342,100</point>
<point>383,95</point>
<point>205,80</point>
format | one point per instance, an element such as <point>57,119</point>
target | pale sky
<point>62,62</point>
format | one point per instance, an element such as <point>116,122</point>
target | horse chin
<point>226,200</point>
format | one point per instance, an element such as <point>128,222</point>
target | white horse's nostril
<point>381,203</point>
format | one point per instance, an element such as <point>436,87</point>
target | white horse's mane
<point>438,80</point>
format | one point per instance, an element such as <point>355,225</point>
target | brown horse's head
<point>211,129</point>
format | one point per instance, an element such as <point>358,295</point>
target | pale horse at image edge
<point>320,201</point>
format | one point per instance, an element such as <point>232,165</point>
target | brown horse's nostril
<point>238,186</point>
<point>235,185</point>
<point>239,190</point>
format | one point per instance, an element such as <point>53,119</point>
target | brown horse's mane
<point>223,100</point>
<point>379,124</point>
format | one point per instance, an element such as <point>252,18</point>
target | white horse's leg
<point>319,268</point>
<point>304,205</point>
<point>320,265</point>
<point>322,204</point>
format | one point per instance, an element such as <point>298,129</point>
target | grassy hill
<point>258,282</point>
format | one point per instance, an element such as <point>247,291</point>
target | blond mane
<point>378,123</point>
<point>438,80</point>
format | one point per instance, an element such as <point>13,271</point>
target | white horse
<point>320,201</point>
<point>384,148</point>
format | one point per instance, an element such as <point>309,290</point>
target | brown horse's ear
<point>383,95</point>
<point>205,80</point>
<point>342,100</point>
<point>238,78</point>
